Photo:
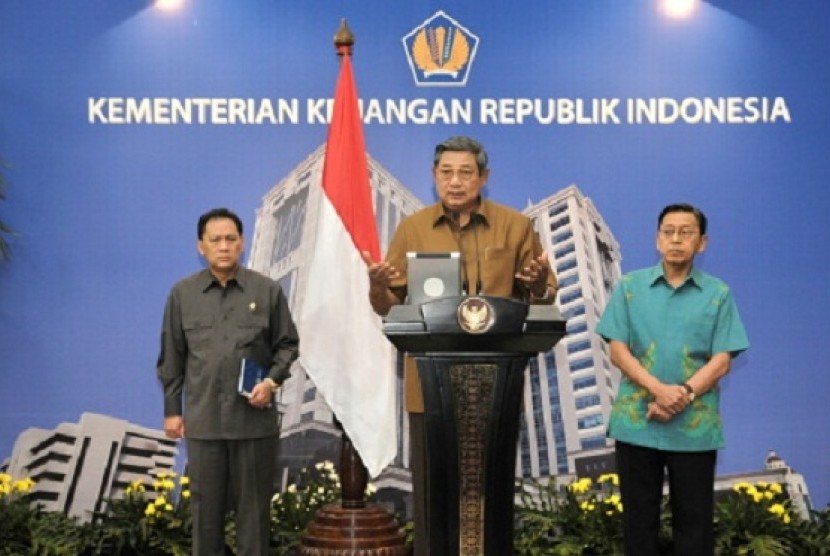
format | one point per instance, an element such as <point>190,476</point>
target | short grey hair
<point>465,144</point>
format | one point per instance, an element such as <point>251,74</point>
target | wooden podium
<point>471,353</point>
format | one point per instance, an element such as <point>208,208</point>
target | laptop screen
<point>433,275</point>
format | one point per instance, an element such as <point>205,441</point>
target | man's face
<point>221,245</point>
<point>679,238</point>
<point>458,180</point>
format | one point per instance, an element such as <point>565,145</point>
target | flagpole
<point>352,527</point>
<point>353,473</point>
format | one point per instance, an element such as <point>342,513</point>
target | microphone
<point>456,218</point>
<point>474,221</point>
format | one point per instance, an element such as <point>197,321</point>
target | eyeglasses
<point>464,174</point>
<point>684,234</point>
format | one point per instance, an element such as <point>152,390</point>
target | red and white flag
<point>342,345</point>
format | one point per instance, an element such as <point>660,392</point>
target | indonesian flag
<point>342,347</point>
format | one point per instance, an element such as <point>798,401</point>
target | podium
<point>471,353</point>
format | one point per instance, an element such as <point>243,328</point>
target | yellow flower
<point>23,485</point>
<point>780,511</point>
<point>5,478</point>
<point>581,486</point>
<point>292,488</point>
<point>587,506</point>
<point>741,486</point>
<point>614,502</point>
<point>135,486</point>
<point>769,495</point>
<point>184,481</point>
<point>757,497</point>
<point>614,499</point>
<point>168,485</point>
<point>324,466</point>
<point>168,507</point>
<point>5,488</point>
<point>150,510</point>
<point>613,478</point>
<point>776,488</point>
<point>185,494</point>
<point>160,501</point>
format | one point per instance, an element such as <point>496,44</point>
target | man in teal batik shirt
<point>673,331</point>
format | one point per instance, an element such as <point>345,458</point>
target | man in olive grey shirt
<point>212,321</point>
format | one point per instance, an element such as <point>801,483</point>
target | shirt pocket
<point>252,331</point>
<point>701,330</point>
<point>197,331</point>
<point>497,271</point>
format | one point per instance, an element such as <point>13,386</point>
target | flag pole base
<point>368,531</point>
<point>353,527</point>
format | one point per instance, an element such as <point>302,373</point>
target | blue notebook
<point>251,373</point>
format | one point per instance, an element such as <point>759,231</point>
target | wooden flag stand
<point>353,527</point>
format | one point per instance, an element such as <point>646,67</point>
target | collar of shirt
<point>440,215</point>
<point>658,275</point>
<point>208,280</point>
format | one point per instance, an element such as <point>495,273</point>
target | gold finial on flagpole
<point>344,39</point>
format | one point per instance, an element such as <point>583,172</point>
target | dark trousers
<point>232,475</point>
<point>691,496</point>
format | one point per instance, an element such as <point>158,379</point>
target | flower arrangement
<point>293,509</point>
<point>149,520</point>
<point>579,518</point>
<point>24,529</point>
<point>15,514</point>
<point>585,517</point>
<point>755,519</point>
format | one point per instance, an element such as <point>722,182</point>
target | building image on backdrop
<point>77,466</point>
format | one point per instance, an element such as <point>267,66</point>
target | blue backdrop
<point>105,207</point>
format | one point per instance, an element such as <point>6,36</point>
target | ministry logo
<point>440,52</point>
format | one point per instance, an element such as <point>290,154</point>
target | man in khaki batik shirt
<point>497,242</point>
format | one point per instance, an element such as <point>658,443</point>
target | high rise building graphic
<point>568,391</point>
